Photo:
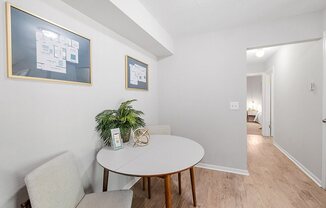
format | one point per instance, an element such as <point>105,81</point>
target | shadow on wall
<point>92,177</point>
<point>16,200</point>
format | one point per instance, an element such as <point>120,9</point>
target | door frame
<point>267,107</point>
<point>324,115</point>
<point>266,120</point>
<point>271,72</point>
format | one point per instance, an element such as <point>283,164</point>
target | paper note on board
<point>72,55</point>
<point>54,50</point>
<point>74,44</point>
<point>137,74</point>
<point>133,74</point>
<point>141,73</point>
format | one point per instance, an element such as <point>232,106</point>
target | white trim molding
<point>223,169</point>
<point>199,165</point>
<point>255,74</point>
<point>300,166</point>
<point>131,183</point>
<point>324,113</point>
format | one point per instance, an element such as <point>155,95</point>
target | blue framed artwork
<point>136,74</point>
<point>41,50</point>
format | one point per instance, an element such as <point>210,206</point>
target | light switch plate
<point>234,105</point>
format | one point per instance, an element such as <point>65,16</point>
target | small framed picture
<point>136,74</point>
<point>116,141</point>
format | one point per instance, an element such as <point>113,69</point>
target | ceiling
<point>181,17</point>
<point>125,24</point>
<point>269,52</point>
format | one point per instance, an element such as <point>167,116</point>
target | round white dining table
<point>163,156</point>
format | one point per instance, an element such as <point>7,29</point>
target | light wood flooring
<point>253,128</point>
<point>274,182</point>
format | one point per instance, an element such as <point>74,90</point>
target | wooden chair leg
<point>149,187</point>
<point>143,178</point>
<point>192,177</point>
<point>179,182</point>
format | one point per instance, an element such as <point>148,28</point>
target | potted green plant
<point>126,118</point>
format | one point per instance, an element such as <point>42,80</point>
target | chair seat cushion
<point>114,199</point>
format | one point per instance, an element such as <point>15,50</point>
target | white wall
<point>297,110</point>
<point>253,68</point>
<point>39,120</point>
<point>197,84</point>
<point>254,92</point>
<point>207,72</point>
<point>324,20</point>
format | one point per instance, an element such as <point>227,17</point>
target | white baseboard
<point>199,165</point>
<point>300,166</point>
<point>131,183</point>
<point>223,169</point>
<point>242,171</point>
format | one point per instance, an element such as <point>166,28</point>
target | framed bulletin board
<point>41,50</point>
<point>136,74</point>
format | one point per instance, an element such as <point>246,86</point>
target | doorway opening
<point>287,102</point>
<point>254,104</point>
<point>260,71</point>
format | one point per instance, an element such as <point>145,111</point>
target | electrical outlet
<point>312,86</point>
<point>234,105</point>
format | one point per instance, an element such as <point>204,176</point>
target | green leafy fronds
<point>125,118</point>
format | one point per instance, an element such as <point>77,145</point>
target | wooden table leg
<point>168,197</point>
<point>144,183</point>
<point>149,187</point>
<point>193,187</point>
<point>179,182</point>
<point>105,179</point>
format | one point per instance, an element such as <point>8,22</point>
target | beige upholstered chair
<point>159,130</point>
<point>57,184</point>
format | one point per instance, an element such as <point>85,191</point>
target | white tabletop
<point>165,154</point>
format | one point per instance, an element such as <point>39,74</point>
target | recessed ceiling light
<point>260,53</point>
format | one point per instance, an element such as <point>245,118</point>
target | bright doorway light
<point>260,53</point>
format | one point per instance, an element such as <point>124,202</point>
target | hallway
<point>254,128</point>
<point>274,182</point>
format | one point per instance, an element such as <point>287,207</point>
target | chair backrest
<point>55,184</point>
<point>159,129</point>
